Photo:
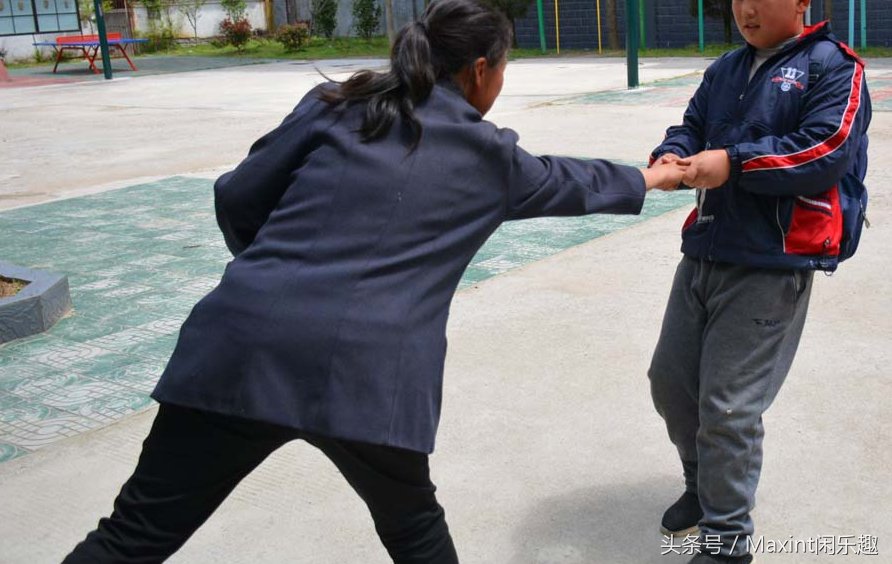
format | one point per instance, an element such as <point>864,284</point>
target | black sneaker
<point>704,558</point>
<point>682,516</point>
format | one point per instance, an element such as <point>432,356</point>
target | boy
<point>777,126</point>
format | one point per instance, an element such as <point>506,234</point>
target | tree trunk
<point>828,9</point>
<point>612,25</point>
<point>388,19</point>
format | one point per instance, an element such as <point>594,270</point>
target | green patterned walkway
<point>137,260</point>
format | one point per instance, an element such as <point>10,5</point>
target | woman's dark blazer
<point>331,319</point>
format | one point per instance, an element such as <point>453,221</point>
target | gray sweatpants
<point>728,339</point>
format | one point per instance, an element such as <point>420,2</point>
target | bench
<point>89,46</point>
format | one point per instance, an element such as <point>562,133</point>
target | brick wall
<point>669,23</point>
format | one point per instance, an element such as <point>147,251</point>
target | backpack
<point>852,192</point>
<point>853,201</point>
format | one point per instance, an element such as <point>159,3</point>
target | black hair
<point>450,35</point>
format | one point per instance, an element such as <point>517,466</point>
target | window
<point>19,17</point>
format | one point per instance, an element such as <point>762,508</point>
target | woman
<point>351,225</point>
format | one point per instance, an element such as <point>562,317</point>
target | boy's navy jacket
<point>797,138</point>
<point>331,319</point>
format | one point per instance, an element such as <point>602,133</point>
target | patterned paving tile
<point>21,350</point>
<point>21,370</point>
<point>8,452</point>
<point>140,376</point>
<point>672,92</point>
<point>138,259</point>
<point>8,401</point>
<point>111,406</point>
<point>34,386</point>
<point>32,425</point>
<point>62,354</point>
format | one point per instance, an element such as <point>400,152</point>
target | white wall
<point>208,22</point>
<point>19,47</point>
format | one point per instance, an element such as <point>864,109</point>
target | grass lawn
<point>378,47</point>
<point>318,48</point>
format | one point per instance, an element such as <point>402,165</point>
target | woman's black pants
<point>192,459</point>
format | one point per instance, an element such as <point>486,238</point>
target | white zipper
<point>779,226</point>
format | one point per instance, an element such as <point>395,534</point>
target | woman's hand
<point>665,174</point>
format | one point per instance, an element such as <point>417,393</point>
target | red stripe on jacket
<point>823,149</point>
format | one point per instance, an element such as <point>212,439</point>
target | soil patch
<point>10,286</point>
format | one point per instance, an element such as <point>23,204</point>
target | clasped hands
<point>707,169</point>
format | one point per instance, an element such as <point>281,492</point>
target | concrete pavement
<point>549,449</point>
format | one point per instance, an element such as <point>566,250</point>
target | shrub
<point>293,37</point>
<point>325,17</point>
<point>366,18</point>
<point>237,33</point>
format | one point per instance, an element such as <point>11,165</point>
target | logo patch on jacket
<point>789,77</point>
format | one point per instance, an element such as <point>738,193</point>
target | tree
<point>388,20</point>
<point>162,32</point>
<point>235,9</point>
<point>716,9</point>
<point>512,9</point>
<point>612,25</point>
<point>191,10</point>
<point>87,11</point>
<point>325,17</point>
<point>366,18</point>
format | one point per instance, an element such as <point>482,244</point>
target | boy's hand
<point>707,169</point>
<point>664,176</point>
<point>667,158</point>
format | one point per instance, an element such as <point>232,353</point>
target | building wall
<point>669,23</point>
<point>19,47</point>
<point>208,22</point>
<point>404,11</point>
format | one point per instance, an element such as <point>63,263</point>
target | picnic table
<point>89,46</point>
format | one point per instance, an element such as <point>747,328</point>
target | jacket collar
<point>821,29</point>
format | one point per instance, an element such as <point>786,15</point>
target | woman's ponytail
<point>411,63</point>
<point>451,35</point>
